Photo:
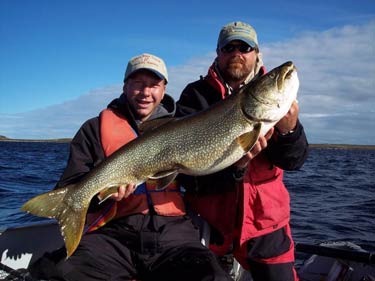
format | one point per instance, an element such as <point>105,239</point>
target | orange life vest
<point>115,131</point>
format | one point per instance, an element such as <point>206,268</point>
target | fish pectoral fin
<point>247,140</point>
<point>106,193</point>
<point>162,180</point>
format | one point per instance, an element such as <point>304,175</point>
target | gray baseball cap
<point>237,31</point>
<point>147,62</point>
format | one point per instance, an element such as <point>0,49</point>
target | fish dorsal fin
<point>162,180</point>
<point>247,140</point>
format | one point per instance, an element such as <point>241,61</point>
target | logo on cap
<point>148,62</point>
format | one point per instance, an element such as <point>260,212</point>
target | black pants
<point>139,247</point>
<point>268,246</point>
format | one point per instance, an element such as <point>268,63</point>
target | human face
<point>144,91</point>
<point>236,63</point>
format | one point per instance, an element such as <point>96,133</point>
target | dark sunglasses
<point>243,48</point>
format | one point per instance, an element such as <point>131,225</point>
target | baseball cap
<point>148,62</point>
<point>237,31</point>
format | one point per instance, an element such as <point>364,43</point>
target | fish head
<point>269,97</point>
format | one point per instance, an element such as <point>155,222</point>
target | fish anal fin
<point>162,182</point>
<point>247,140</point>
<point>163,174</point>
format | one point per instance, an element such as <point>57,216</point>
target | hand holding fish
<point>289,121</point>
<point>123,192</point>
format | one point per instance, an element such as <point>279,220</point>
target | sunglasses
<point>243,48</point>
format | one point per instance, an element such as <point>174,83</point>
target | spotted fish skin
<point>199,144</point>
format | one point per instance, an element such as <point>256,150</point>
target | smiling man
<point>138,234</point>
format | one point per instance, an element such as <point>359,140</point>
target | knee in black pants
<point>271,272</point>
<point>186,264</point>
<point>268,246</point>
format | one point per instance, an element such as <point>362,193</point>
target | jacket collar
<point>166,108</point>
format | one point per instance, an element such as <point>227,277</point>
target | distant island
<point>315,145</point>
<point>62,140</point>
<point>342,146</point>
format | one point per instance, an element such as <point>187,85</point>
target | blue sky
<point>61,62</point>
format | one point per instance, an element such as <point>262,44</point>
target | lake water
<point>332,196</point>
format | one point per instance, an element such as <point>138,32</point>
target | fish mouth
<point>286,74</point>
<point>277,80</point>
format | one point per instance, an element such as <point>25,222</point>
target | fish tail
<point>47,204</point>
<point>72,223</point>
<point>53,205</point>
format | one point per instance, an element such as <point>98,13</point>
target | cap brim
<point>157,73</point>
<point>161,76</point>
<point>236,37</point>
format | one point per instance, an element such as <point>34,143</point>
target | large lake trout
<point>199,144</point>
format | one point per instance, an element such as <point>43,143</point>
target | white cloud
<point>60,120</point>
<point>181,75</point>
<point>337,77</point>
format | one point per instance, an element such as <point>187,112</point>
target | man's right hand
<point>123,192</point>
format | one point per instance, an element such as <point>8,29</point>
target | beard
<point>236,70</point>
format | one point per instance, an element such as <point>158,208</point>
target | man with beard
<point>247,205</point>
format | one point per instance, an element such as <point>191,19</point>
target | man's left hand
<point>289,121</point>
